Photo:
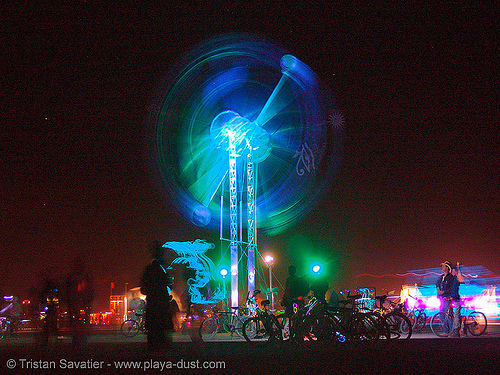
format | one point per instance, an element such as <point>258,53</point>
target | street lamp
<point>270,262</point>
<point>316,268</point>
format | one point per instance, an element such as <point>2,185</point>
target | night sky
<point>419,178</point>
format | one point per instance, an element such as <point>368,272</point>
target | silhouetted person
<point>319,287</point>
<point>333,296</point>
<point>155,284</point>
<point>295,290</point>
<point>443,289</point>
<point>79,296</point>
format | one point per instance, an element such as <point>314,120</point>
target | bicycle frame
<point>471,321</point>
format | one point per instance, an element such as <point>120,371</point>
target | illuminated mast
<point>251,217</point>
<point>233,213</point>
<point>238,134</point>
<point>234,131</point>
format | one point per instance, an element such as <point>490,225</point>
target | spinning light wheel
<point>244,130</point>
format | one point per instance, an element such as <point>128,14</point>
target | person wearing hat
<point>156,284</point>
<point>443,287</point>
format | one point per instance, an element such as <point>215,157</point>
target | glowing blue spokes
<point>296,75</point>
<point>298,71</point>
<point>274,106</point>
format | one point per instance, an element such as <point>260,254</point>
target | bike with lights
<point>354,325</point>
<point>312,326</point>
<point>417,315</point>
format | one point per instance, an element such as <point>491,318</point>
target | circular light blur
<point>316,268</point>
<point>223,272</point>
<point>294,124</point>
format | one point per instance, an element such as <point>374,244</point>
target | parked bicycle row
<point>315,321</point>
<point>309,320</point>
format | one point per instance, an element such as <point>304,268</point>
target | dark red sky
<point>419,180</point>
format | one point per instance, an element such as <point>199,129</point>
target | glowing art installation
<point>192,255</point>
<point>242,118</point>
<point>268,98</point>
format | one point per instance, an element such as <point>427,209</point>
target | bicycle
<point>262,328</point>
<point>131,327</point>
<point>475,323</point>
<point>355,326</point>
<point>400,326</point>
<point>313,326</point>
<point>417,315</point>
<point>228,321</point>
<point>288,319</point>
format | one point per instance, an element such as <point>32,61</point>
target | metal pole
<point>271,287</point>
<point>233,209</point>
<point>251,227</point>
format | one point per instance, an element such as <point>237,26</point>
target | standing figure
<point>295,290</point>
<point>156,284</point>
<point>319,287</point>
<point>443,288</point>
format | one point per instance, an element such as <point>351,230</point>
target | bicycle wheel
<point>399,325</point>
<point>439,328</point>
<point>260,332</point>
<point>130,328</point>
<point>365,328</point>
<point>383,327</point>
<point>316,331</point>
<point>420,322</point>
<point>237,323</point>
<point>208,328</point>
<point>476,323</point>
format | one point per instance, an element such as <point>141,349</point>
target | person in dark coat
<point>295,290</point>
<point>156,283</point>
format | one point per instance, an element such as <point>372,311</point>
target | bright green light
<point>316,268</point>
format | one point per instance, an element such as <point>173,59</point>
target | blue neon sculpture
<point>245,130</point>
